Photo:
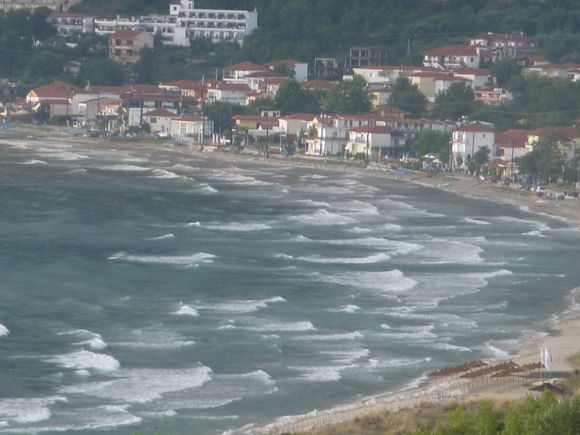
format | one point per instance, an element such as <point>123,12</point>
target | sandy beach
<point>562,336</point>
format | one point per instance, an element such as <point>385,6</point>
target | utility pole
<point>512,162</point>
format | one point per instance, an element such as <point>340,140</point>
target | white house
<point>328,134</point>
<point>388,74</point>
<point>479,77</point>
<point>234,93</point>
<point>380,94</point>
<point>159,120</point>
<point>300,69</point>
<point>453,56</point>
<point>431,84</point>
<point>505,45</point>
<point>369,140</point>
<point>237,73</point>
<point>468,139</point>
<point>192,126</point>
<point>295,123</point>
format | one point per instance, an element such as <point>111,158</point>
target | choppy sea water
<point>144,290</point>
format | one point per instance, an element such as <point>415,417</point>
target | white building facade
<point>468,139</point>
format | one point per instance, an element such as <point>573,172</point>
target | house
<point>511,144</point>
<point>234,93</point>
<point>299,69</point>
<point>192,126</point>
<point>431,84</point>
<point>468,139</point>
<point>141,99</point>
<point>69,24</point>
<point>454,56</point>
<point>109,114</point>
<point>327,68</point>
<point>295,126</point>
<point>505,45</point>
<point>389,74</point>
<point>380,95</point>
<point>185,23</point>
<point>55,97</point>
<point>159,120</point>
<point>260,81</point>
<point>372,141</point>
<point>328,134</point>
<point>255,122</point>
<point>492,95</point>
<point>364,56</point>
<point>237,73</point>
<point>323,85</point>
<point>479,77</point>
<point>552,70</point>
<point>566,138</point>
<point>125,45</point>
<point>57,5</point>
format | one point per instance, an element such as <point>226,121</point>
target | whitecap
<point>205,189</point>
<point>321,374</point>
<point>63,155</point>
<point>347,336</point>
<point>163,237</point>
<point>312,203</point>
<point>347,356</point>
<point>448,346</point>
<point>283,256</point>
<point>186,310</point>
<point>358,230</point>
<point>80,171</point>
<point>475,221</point>
<point>357,207</point>
<point>236,226</point>
<point>238,306</point>
<point>91,339</point>
<point>34,162</point>
<point>84,359</point>
<point>171,260</point>
<point>124,168</point>
<point>346,309</point>
<point>534,233</point>
<point>27,410</point>
<point>162,174</point>
<point>282,327</point>
<point>4,331</point>
<point>375,258</point>
<point>322,218</point>
<point>393,281</point>
<point>143,385</point>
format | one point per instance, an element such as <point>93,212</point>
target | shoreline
<point>561,335</point>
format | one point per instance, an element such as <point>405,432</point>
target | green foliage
<point>349,96</point>
<point>221,114</point>
<point>430,141</point>
<point>455,102</point>
<point>43,67</point>
<point>291,98</point>
<point>407,97</point>
<point>102,72</point>
<point>503,70</point>
<point>123,7</point>
<point>544,162</point>
<point>285,70</point>
<point>257,106</point>
<point>146,68</point>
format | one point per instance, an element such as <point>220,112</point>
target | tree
<point>285,70</point>
<point>146,68</point>
<point>544,162</point>
<point>430,141</point>
<point>456,101</point>
<point>221,114</point>
<point>349,96</point>
<point>43,67</point>
<point>480,157</point>
<point>291,98</point>
<point>259,105</point>
<point>503,70</point>
<point>102,72</point>
<point>407,97</point>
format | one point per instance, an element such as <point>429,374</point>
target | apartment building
<point>125,45</point>
<point>57,5</point>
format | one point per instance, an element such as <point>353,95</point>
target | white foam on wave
<point>63,155</point>
<point>358,230</point>
<point>4,331</point>
<point>205,189</point>
<point>153,337</point>
<point>163,237</point>
<point>238,306</point>
<point>448,346</point>
<point>124,168</point>
<point>87,360</point>
<point>537,225</point>
<point>91,339</point>
<point>396,246</point>
<point>321,374</point>
<point>34,162</point>
<point>347,336</point>
<point>312,203</point>
<point>186,310</point>
<point>183,168</point>
<point>445,251</point>
<point>170,260</point>
<point>27,410</point>
<point>79,171</point>
<point>143,385</point>
<point>283,256</point>
<point>299,326</point>
<point>534,233</point>
<point>475,221</point>
<point>412,333</point>
<point>162,174</point>
<point>357,207</point>
<point>399,362</point>
<point>237,178</point>
<point>351,308</point>
<point>236,226</point>
<point>322,217</point>
<point>370,259</point>
<point>393,281</point>
<point>347,356</point>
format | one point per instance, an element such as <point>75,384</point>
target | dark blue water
<point>150,290</point>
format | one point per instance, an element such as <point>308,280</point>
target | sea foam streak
<point>375,258</point>
<point>124,168</point>
<point>28,410</point>
<point>393,281</point>
<point>86,360</point>
<point>171,260</point>
<point>236,226</point>
<point>3,330</point>
<point>186,310</point>
<point>323,218</point>
<point>91,339</point>
<point>238,307</point>
<point>163,237</point>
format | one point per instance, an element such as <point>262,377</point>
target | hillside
<point>305,29</point>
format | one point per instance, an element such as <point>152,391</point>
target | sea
<point>154,291</point>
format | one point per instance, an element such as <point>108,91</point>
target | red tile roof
<point>567,132</point>
<point>475,127</point>
<point>224,86</point>
<point>504,37</point>
<point>376,129</point>
<point>162,113</point>
<point>512,137</point>
<point>56,89</point>
<point>300,116</point>
<point>125,34</point>
<point>246,66</point>
<point>283,62</point>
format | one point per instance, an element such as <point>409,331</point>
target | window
<point>117,52</point>
<point>153,120</point>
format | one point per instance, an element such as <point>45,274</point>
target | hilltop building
<point>57,5</point>
<point>125,45</point>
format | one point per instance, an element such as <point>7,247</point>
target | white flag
<point>542,356</point>
<point>548,358</point>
